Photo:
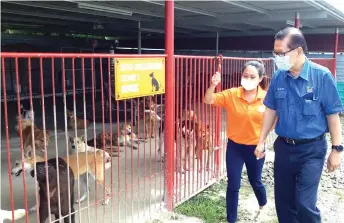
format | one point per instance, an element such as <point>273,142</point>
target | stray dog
<point>87,165</point>
<point>79,144</point>
<point>27,128</point>
<point>53,194</point>
<point>125,136</point>
<point>80,123</point>
<point>190,115</point>
<point>184,140</point>
<point>155,83</point>
<point>148,106</point>
<point>204,142</point>
<point>7,215</point>
<point>23,112</point>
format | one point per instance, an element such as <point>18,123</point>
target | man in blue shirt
<point>304,99</point>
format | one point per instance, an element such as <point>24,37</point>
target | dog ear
<point>82,138</point>
<point>28,151</point>
<point>32,173</point>
<point>71,139</point>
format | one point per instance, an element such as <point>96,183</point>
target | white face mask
<point>283,63</point>
<point>248,84</point>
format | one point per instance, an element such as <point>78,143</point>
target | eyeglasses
<point>283,54</point>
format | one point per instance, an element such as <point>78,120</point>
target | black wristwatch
<point>339,148</point>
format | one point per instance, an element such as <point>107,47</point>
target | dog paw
<point>33,209</point>
<point>106,202</point>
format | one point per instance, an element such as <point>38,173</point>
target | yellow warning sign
<point>138,77</point>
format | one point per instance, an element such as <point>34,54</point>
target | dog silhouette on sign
<point>155,83</point>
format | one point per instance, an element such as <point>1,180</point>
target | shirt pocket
<point>280,100</point>
<point>311,105</point>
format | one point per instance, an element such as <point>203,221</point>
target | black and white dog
<point>53,194</point>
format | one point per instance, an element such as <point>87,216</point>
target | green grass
<point>210,205</point>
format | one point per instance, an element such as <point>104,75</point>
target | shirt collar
<point>260,93</point>
<point>304,72</point>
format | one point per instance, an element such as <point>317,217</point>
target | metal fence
<point>119,143</point>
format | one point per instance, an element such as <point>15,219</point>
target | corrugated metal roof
<point>192,18</point>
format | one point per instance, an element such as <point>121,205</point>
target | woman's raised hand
<point>215,80</point>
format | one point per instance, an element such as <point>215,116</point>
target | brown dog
<point>27,128</point>
<point>204,142</point>
<point>147,109</point>
<point>80,123</point>
<point>124,136</point>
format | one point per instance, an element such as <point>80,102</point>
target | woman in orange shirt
<point>244,107</point>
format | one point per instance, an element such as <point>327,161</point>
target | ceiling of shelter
<point>192,18</point>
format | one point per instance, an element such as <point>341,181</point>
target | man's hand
<point>259,152</point>
<point>333,161</point>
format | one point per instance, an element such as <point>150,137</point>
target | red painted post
<point>218,121</point>
<point>335,52</point>
<point>297,20</point>
<point>169,102</point>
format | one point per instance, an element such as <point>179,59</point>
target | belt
<point>300,141</point>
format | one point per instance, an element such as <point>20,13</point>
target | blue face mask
<point>283,63</point>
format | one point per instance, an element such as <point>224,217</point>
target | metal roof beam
<point>183,8</point>
<point>76,10</point>
<point>272,33</point>
<point>253,17</point>
<point>246,6</point>
<point>50,16</point>
<point>57,24</point>
<point>302,24</point>
<point>141,12</point>
<point>261,25</point>
<point>33,20</point>
<point>322,6</point>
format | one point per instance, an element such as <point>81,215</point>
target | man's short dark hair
<point>296,38</point>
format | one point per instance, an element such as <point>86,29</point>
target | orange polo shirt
<point>244,120</point>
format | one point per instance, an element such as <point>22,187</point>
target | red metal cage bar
<point>136,176</point>
<point>55,87</point>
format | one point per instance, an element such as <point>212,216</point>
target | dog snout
<point>16,172</point>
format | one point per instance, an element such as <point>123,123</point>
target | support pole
<point>139,38</point>
<point>335,53</point>
<point>169,102</point>
<point>217,43</point>
<point>297,20</point>
<point>219,59</point>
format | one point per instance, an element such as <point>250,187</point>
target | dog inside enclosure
<point>81,164</point>
<point>30,133</point>
<point>75,122</point>
<point>58,148</point>
<point>124,137</point>
<point>147,111</point>
<point>56,190</point>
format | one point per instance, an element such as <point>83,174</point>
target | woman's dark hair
<point>259,65</point>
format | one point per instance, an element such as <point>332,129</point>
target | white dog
<point>7,215</point>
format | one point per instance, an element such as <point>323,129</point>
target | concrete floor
<point>137,181</point>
